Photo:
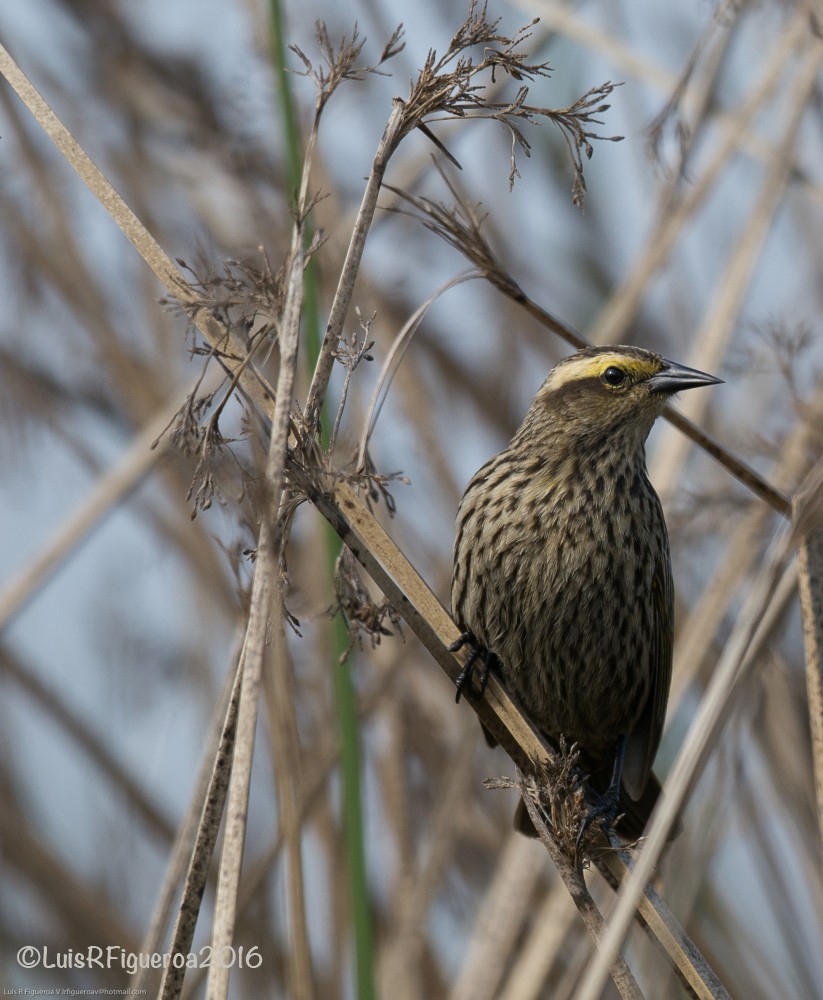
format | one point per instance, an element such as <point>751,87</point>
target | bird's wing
<point>645,739</point>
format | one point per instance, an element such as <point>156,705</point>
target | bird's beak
<point>675,378</point>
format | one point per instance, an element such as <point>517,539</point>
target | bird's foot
<point>604,811</point>
<point>477,654</point>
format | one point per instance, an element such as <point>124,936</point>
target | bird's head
<point>602,390</point>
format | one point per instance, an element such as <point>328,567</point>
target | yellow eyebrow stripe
<point>580,368</point>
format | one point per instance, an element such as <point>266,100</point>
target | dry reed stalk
<point>809,527</point>
<point>687,959</point>
<point>542,949</point>
<point>501,917</point>
<point>572,878</point>
<point>351,265</point>
<point>401,964</point>
<point>287,765</point>
<point>265,601</point>
<point>208,827</point>
<point>619,313</point>
<point>698,633</point>
<point>183,853</point>
<point>111,489</point>
<point>711,341</point>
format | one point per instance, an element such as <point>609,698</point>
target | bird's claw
<point>604,810</point>
<point>465,679</point>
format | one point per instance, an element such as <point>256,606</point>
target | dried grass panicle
<point>557,788</point>
<point>461,226</point>
<point>242,296</point>
<point>452,86</point>
<point>350,352</point>
<point>371,484</point>
<point>363,615</point>
<point>340,61</point>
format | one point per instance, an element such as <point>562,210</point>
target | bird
<point>562,579</point>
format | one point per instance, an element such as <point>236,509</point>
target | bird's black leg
<point>465,679</point>
<point>606,808</point>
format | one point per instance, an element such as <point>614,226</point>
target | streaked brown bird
<point>562,576</point>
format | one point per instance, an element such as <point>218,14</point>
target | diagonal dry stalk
<point>501,917</point>
<point>572,878</point>
<point>808,522</point>
<point>211,807</point>
<point>617,316</point>
<point>711,341</point>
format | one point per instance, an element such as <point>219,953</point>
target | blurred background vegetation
<point>699,237</point>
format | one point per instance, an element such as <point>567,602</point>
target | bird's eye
<point>614,376</point>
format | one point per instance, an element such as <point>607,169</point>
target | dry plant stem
<point>542,948</point>
<point>254,647</point>
<point>562,19</point>
<point>618,315</point>
<point>710,343</point>
<point>404,953</point>
<point>809,526</point>
<point>201,856</point>
<point>393,358</point>
<point>131,227</point>
<point>757,620</point>
<point>285,745</point>
<point>182,853</point>
<point>501,915</point>
<point>572,878</point>
<point>145,244</point>
<point>111,489</point>
<point>351,265</point>
<point>662,925</point>
<point>250,668</point>
<point>80,733</point>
